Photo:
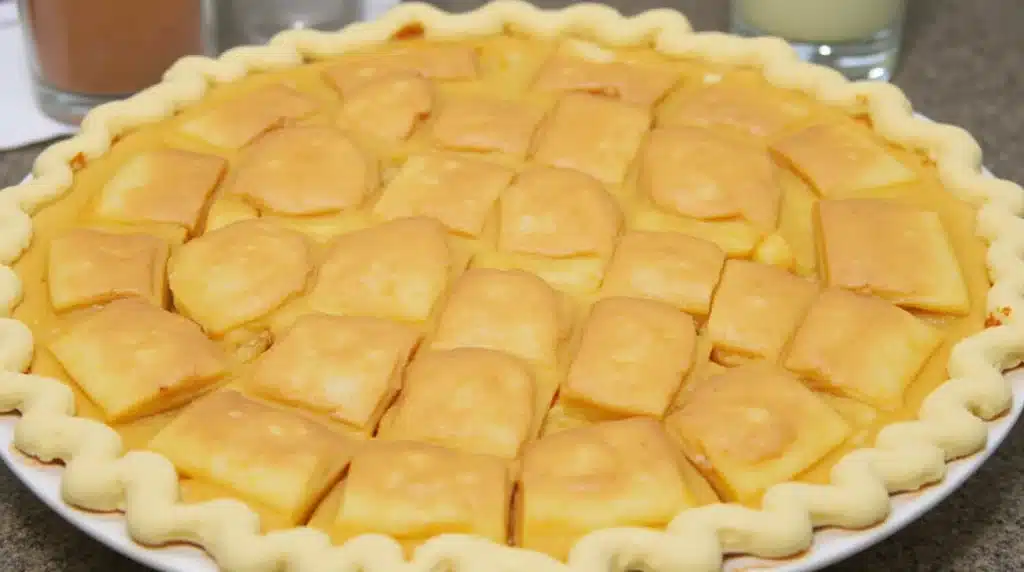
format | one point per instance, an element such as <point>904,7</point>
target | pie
<point>513,287</point>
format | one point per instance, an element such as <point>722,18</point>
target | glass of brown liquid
<point>83,53</point>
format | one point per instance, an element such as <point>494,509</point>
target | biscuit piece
<point>584,67</point>
<point>133,359</point>
<point>486,124</point>
<point>593,134</point>
<point>394,270</point>
<point>505,310</point>
<point>444,62</point>
<point>233,123</point>
<point>841,159</point>
<point>413,492</point>
<point>861,347</point>
<point>894,251</point>
<point>266,455</point>
<point>756,311</point>
<point>758,111</point>
<point>701,174</point>
<point>238,273</point>
<point>669,267</point>
<point>557,223</point>
<point>471,399</point>
<point>457,191</point>
<point>390,107</point>
<point>303,170</point>
<point>348,369</point>
<point>632,359</point>
<point>754,426</point>
<point>161,186</point>
<point>618,473</point>
<point>87,267</point>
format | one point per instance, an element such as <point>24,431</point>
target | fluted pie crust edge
<point>98,476</point>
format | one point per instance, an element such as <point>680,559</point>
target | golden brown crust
<point>951,424</point>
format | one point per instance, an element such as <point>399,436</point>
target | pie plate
<point>132,502</point>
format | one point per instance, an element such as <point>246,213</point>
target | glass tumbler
<point>84,53</point>
<point>859,38</point>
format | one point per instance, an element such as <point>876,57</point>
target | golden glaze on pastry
<point>605,274</point>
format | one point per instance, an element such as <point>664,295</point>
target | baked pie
<point>507,287</point>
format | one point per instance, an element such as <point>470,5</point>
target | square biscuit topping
<point>579,66</point>
<point>738,106</point>
<point>470,399</point>
<point>87,267</point>
<point>238,273</point>
<point>458,191</point>
<point>476,123</point>
<point>266,455</point>
<point>669,267</point>
<point>892,250</point>
<point>161,186</point>
<point>705,175</point>
<point>389,107</point>
<point>414,491</point>
<point>861,347</point>
<point>632,358</point>
<point>348,369</point>
<point>505,310</point>
<point>134,359</point>
<point>756,310</point>
<point>616,473</point>
<point>303,170</point>
<point>754,426</point>
<point>398,270</point>
<point>439,62</point>
<point>233,123</point>
<point>841,159</point>
<point>593,134</point>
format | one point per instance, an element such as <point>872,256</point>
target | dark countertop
<point>964,64</point>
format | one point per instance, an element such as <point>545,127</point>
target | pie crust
<point>99,476</point>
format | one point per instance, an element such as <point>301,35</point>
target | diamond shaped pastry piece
<point>861,347</point>
<point>616,473</point>
<point>233,123</point>
<point>841,159</point>
<point>267,455</point>
<point>744,108</point>
<point>161,186</point>
<point>593,134</point>
<point>471,399</point>
<point>476,123</point>
<point>669,267</point>
<point>601,74</point>
<point>389,107</point>
<point>444,62</point>
<point>395,270</point>
<point>756,310</point>
<point>705,175</point>
<point>505,310</point>
<point>460,192</point>
<point>892,250</point>
<point>303,170</point>
<point>133,359</point>
<point>87,267</point>
<point>632,358</point>
<point>755,426</point>
<point>413,491</point>
<point>238,273</point>
<point>346,368</point>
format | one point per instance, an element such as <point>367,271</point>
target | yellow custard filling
<point>486,147</point>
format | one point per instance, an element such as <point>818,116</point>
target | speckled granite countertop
<point>963,64</point>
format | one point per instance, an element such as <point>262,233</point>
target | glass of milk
<point>860,38</point>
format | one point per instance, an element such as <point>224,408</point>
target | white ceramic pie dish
<point>829,546</point>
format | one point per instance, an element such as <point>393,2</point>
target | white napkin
<point>21,122</point>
